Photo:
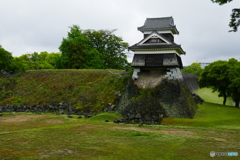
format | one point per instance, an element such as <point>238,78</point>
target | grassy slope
<point>211,113</point>
<point>214,128</point>
<point>209,96</point>
<point>81,88</point>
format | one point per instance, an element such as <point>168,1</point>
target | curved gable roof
<point>154,33</point>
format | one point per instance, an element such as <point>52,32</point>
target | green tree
<point>27,62</point>
<point>235,16</point>
<point>112,49</point>
<point>194,68</point>
<point>92,49</point>
<point>43,55</point>
<point>5,59</point>
<point>215,75</point>
<point>93,60</point>
<point>34,57</point>
<point>36,61</point>
<point>74,48</point>
<point>224,77</point>
<point>53,58</point>
<point>234,91</point>
<point>234,76</point>
<point>8,63</point>
<point>17,65</point>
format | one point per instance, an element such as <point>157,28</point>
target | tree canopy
<point>43,60</point>
<point>224,77</point>
<point>235,16</point>
<point>93,49</point>
<point>194,68</point>
<point>29,61</point>
<point>5,59</point>
<point>8,63</point>
<point>234,76</point>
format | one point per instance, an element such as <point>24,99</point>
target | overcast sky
<point>28,26</point>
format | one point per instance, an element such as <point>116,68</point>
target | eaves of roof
<point>172,29</point>
<point>158,47</point>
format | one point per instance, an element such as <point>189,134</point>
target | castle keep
<point>157,55</point>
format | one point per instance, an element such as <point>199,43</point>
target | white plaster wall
<point>174,73</point>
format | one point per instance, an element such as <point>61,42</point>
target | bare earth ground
<point>24,118</point>
<point>18,118</point>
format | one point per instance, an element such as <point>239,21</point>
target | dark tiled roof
<point>164,46</point>
<point>164,23</point>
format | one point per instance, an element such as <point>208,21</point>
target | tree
<point>53,58</point>
<point>26,61</point>
<point>5,59</point>
<point>235,16</point>
<point>215,75</point>
<point>111,48</point>
<point>194,68</point>
<point>17,65</point>
<point>234,91</point>
<point>92,49</point>
<point>39,61</point>
<point>224,77</point>
<point>93,60</point>
<point>74,48</point>
<point>234,76</point>
<point>8,63</point>
<point>43,55</point>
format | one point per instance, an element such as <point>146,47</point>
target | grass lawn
<point>209,96</point>
<point>48,136</point>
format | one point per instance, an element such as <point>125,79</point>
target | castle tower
<point>157,55</point>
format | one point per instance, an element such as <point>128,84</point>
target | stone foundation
<point>170,98</point>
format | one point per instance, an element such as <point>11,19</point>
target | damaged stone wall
<point>150,78</point>
<point>170,98</point>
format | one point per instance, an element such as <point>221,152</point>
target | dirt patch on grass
<point>41,119</point>
<point>18,118</point>
<point>178,132</point>
<point>172,131</point>
<point>62,152</point>
<point>218,139</point>
<point>53,121</point>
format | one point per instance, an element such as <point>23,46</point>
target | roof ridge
<point>160,17</point>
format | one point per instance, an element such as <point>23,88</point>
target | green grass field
<point>209,96</point>
<point>48,136</point>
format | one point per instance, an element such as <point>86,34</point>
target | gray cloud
<point>39,25</point>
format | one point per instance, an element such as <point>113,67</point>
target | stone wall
<point>171,98</point>
<point>191,81</point>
